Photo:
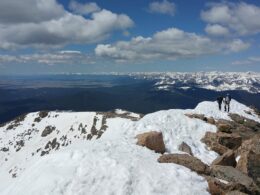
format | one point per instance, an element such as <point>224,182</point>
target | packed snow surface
<point>112,164</point>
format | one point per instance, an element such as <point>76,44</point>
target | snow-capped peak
<point>96,153</point>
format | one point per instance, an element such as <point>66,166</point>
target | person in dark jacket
<point>227,102</point>
<point>219,100</point>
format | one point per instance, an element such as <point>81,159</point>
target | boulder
<point>249,161</point>
<point>186,160</point>
<point>152,140</point>
<point>231,174</point>
<point>211,140</point>
<point>222,127</point>
<point>231,141</point>
<point>185,148</point>
<point>227,159</point>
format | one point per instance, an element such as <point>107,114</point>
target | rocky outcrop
<point>251,124</point>
<point>185,148</point>
<point>211,140</point>
<point>237,138</point>
<point>249,161</point>
<point>152,140</point>
<point>221,142</point>
<point>16,122</point>
<point>232,174</point>
<point>186,160</point>
<point>224,127</point>
<point>218,187</point>
<point>231,141</point>
<point>227,159</point>
<point>41,115</point>
<point>202,117</point>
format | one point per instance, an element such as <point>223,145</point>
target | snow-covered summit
<point>96,153</point>
<point>207,108</point>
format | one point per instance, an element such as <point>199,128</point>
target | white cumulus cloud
<point>162,7</point>
<point>216,30</point>
<point>54,58</point>
<point>169,44</point>
<point>242,18</point>
<point>47,24</point>
<point>84,9</point>
<point>248,61</point>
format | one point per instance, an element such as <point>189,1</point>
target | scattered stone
<point>4,149</point>
<point>152,140</point>
<point>227,159</point>
<point>89,136</point>
<point>48,130</point>
<point>16,122</point>
<point>41,115</point>
<point>51,145</point>
<point>93,128</point>
<point>186,160</point>
<point>185,148</point>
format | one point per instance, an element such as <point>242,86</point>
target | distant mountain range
<point>217,81</point>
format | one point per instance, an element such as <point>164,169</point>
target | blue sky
<point>39,37</point>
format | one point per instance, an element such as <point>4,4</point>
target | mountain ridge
<point>40,143</point>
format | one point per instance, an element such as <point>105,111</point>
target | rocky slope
<point>96,153</point>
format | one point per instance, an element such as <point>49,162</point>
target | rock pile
<point>236,171</point>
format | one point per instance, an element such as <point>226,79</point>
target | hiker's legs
<point>219,106</point>
<point>228,107</point>
<point>225,107</point>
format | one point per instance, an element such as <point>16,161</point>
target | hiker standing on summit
<point>219,100</point>
<point>227,102</point>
